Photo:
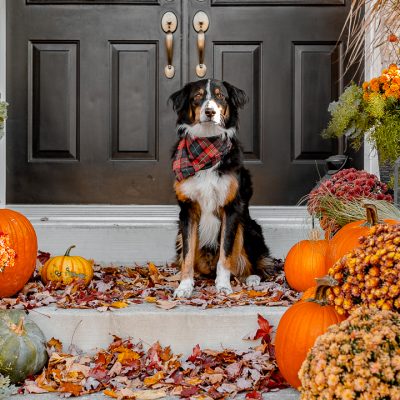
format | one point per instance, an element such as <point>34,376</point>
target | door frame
<point>3,42</point>
<point>372,67</point>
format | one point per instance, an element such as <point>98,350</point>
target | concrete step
<point>123,234</point>
<point>285,394</point>
<point>181,328</point>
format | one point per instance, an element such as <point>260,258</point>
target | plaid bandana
<point>196,154</point>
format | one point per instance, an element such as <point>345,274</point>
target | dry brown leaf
<point>166,304</point>
<point>150,394</point>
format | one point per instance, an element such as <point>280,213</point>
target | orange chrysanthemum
<point>7,254</point>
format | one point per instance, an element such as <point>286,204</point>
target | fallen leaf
<point>254,395</point>
<point>111,393</point>
<point>119,304</point>
<point>55,344</point>
<point>71,388</point>
<point>166,304</point>
<point>154,379</point>
<point>150,394</point>
<point>150,299</point>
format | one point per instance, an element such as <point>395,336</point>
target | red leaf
<point>190,391</point>
<point>43,256</point>
<point>254,395</point>
<point>195,354</point>
<point>264,331</point>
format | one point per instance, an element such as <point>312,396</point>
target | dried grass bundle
<point>380,20</point>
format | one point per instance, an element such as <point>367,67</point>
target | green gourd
<point>22,346</point>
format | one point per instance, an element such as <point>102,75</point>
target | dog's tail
<point>266,268</point>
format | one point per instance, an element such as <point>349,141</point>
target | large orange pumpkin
<point>305,262</point>
<point>18,251</point>
<point>297,331</point>
<point>347,238</point>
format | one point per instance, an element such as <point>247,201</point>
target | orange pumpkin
<point>18,252</point>
<point>297,331</point>
<point>305,262</point>
<point>347,238</point>
<point>66,269</point>
<point>309,293</point>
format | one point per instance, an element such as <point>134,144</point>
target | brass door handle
<point>200,25</point>
<point>169,23</point>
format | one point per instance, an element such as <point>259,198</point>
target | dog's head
<point>207,104</point>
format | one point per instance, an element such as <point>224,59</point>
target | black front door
<point>89,120</point>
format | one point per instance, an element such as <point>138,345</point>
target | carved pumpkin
<point>305,262</point>
<point>22,346</point>
<point>347,238</point>
<point>66,268</point>
<point>18,251</point>
<point>298,328</point>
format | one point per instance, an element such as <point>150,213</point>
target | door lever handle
<point>201,23</point>
<point>169,23</point>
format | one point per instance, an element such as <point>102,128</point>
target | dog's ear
<point>237,96</point>
<point>180,99</point>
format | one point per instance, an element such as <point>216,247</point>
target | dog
<point>216,235</point>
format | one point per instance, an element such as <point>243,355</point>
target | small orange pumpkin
<point>347,238</point>
<point>298,329</point>
<point>18,252</point>
<point>66,269</point>
<point>305,262</point>
<point>309,293</point>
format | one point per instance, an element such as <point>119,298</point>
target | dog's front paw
<point>253,280</point>
<point>185,289</point>
<point>224,287</point>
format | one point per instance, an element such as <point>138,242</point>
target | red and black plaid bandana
<point>196,154</point>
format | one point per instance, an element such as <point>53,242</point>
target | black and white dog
<point>216,233</point>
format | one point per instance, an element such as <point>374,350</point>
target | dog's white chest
<point>210,191</point>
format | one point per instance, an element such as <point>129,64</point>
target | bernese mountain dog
<point>216,235</point>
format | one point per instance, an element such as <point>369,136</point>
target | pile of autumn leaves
<point>126,370</point>
<point>116,287</point>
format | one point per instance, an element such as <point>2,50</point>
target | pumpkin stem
<point>68,250</point>
<point>314,235</point>
<point>323,285</point>
<point>19,328</point>
<point>372,214</point>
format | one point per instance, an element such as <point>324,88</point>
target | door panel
<point>285,58</point>
<point>53,114</point>
<point>100,129</point>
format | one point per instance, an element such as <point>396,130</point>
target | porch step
<point>286,394</point>
<point>181,328</point>
<point>126,234</point>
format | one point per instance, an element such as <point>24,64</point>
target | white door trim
<point>3,96</point>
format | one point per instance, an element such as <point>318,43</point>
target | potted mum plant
<point>371,111</point>
<point>3,116</point>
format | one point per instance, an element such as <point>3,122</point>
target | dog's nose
<point>209,112</point>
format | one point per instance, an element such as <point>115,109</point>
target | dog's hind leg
<point>189,227</point>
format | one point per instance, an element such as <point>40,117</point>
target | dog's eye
<point>219,95</point>
<point>198,96</point>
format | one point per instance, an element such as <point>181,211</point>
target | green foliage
<point>3,113</point>
<point>353,115</point>
<point>6,389</point>
<point>345,114</point>
<point>386,137</point>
